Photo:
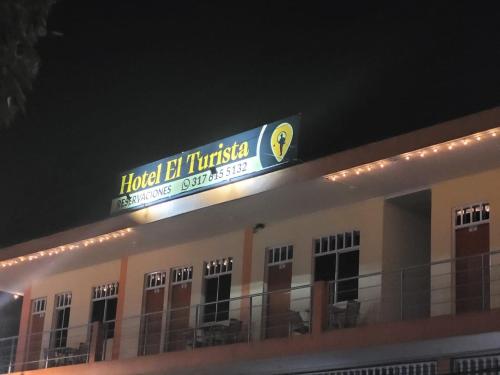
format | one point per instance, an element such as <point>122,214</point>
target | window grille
<point>218,266</point>
<point>63,300</point>
<point>418,368</point>
<point>182,275</point>
<point>337,242</point>
<point>105,291</point>
<point>156,279</point>
<point>489,364</point>
<point>281,254</point>
<point>39,305</point>
<point>472,215</point>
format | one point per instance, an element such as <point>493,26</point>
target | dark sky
<point>134,81</point>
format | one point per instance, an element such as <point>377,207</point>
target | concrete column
<point>246,278</point>
<point>119,308</point>
<point>23,329</point>
<point>319,307</point>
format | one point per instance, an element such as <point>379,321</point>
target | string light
<point>421,152</point>
<point>62,249</point>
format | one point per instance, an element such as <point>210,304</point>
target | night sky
<point>131,82</point>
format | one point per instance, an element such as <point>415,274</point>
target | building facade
<point>381,259</point>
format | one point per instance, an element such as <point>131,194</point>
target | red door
<point>279,280</point>
<point>151,325</point>
<point>35,338</point>
<point>178,324</point>
<point>472,270</point>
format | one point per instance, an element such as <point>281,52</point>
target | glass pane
<point>60,319</point>
<point>324,268</point>
<point>467,216</point>
<point>357,239</point>
<point>270,257</point>
<point>317,246</point>
<point>98,311</point>
<point>332,243</point>
<point>65,322</point>
<point>324,244</point>
<point>224,294</point>
<point>486,211</point>
<point>340,241</point>
<point>458,217</point>
<point>276,255</point>
<point>283,253</point>
<point>348,239</point>
<point>111,309</point>
<point>476,214</point>
<point>348,267</point>
<point>211,286</point>
<point>290,252</point>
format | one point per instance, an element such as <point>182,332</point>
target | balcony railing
<point>441,288</point>
<point>449,287</point>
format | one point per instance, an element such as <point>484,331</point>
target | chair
<point>352,313</point>
<point>297,324</point>
<point>233,332</point>
<point>344,314</point>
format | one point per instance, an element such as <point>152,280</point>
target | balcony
<point>443,299</point>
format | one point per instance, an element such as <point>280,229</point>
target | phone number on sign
<point>222,173</point>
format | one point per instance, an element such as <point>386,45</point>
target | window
<point>337,259</point>
<point>217,280</point>
<point>38,306</point>
<point>61,320</point>
<point>181,275</point>
<point>472,215</point>
<point>155,280</point>
<point>104,302</point>
<point>277,255</point>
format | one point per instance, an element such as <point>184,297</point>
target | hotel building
<point>381,259</point>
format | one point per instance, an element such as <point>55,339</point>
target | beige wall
<point>300,231</point>
<point>446,196</point>
<point>79,283</point>
<point>164,259</point>
<point>406,244</point>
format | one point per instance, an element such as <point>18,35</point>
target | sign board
<point>241,156</point>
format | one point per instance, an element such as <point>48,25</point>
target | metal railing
<point>276,314</point>
<point>39,350</point>
<point>448,287</point>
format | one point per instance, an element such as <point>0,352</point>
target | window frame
<point>337,252</point>
<point>56,331</point>
<point>208,275</point>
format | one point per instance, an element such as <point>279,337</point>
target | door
<point>279,281</point>
<point>35,336</point>
<point>472,271</point>
<point>178,323</point>
<point>152,321</point>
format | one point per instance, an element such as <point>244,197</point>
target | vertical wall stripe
<point>119,308</point>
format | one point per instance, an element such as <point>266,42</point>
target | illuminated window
<point>217,289</point>
<point>38,306</point>
<point>337,260</point>
<point>181,275</point>
<point>472,215</point>
<point>281,254</point>
<point>155,280</point>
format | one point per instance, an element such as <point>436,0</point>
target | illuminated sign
<point>253,152</point>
